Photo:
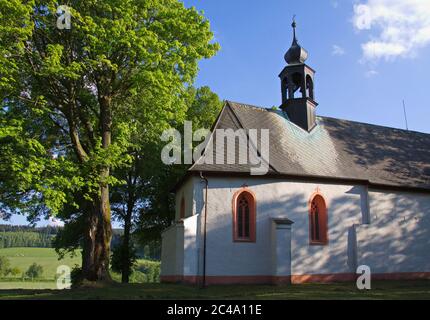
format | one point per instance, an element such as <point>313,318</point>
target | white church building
<point>337,195</point>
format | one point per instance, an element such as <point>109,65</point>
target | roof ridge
<point>374,125</point>
<point>327,117</point>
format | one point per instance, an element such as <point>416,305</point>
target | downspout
<point>205,180</point>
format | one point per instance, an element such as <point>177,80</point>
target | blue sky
<point>369,55</point>
<point>363,71</point>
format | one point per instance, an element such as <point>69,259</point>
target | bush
<point>76,276</point>
<point>151,270</point>
<point>4,266</point>
<point>15,272</point>
<point>119,257</point>
<point>34,271</point>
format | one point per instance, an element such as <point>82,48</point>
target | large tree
<point>143,202</point>
<point>119,57</point>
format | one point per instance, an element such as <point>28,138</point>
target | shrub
<point>151,270</point>
<point>34,271</point>
<point>4,266</point>
<point>15,271</point>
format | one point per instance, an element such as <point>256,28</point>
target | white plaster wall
<point>181,243</point>
<point>281,199</point>
<point>187,192</point>
<point>191,250</point>
<point>281,250</point>
<point>398,238</point>
<point>172,251</point>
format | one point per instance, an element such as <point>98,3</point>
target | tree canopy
<point>75,102</point>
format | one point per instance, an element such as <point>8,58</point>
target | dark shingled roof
<point>336,148</point>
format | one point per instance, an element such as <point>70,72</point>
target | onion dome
<point>296,54</point>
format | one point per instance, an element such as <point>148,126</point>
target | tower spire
<point>296,54</point>
<point>297,86</point>
<point>294,25</point>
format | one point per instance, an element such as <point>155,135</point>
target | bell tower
<point>297,86</point>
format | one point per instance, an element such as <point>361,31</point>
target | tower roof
<point>296,54</point>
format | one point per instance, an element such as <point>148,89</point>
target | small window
<point>244,215</point>
<point>318,221</point>
<point>182,210</point>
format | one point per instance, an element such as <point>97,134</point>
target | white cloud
<point>371,73</point>
<point>337,50</point>
<point>398,28</point>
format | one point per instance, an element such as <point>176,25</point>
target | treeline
<point>25,239</point>
<point>15,228</point>
<point>26,236</point>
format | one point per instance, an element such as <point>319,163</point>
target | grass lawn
<point>380,290</point>
<point>45,288</point>
<point>22,258</point>
<point>46,257</point>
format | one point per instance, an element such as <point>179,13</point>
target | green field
<point>46,257</point>
<point>22,258</point>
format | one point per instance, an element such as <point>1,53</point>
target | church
<point>337,195</point>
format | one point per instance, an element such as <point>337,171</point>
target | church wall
<point>187,192</point>
<point>180,242</point>
<point>282,199</point>
<point>397,240</point>
<point>388,231</point>
<point>172,253</point>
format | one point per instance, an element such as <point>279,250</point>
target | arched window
<point>182,209</point>
<point>309,87</point>
<point>298,84</point>
<point>318,220</point>
<point>244,216</point>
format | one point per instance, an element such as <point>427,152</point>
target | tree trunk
<point>96,248</point>
<point>97,239</point>
<point>125,278</point>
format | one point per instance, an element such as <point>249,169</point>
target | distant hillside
<point>31,237</point>
<point>25,236</point>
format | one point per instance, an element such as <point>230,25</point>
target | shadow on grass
<point>380,290</point>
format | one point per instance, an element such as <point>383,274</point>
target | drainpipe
<point>205,180</point>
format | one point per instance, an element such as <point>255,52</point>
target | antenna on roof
<point>406,118</point>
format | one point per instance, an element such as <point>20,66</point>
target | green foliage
<point>144,271</point>
<point>15,272</point>
<point>78,106</point>
<point>25,236</point>
<point>203,107</point>
<point>25,239</point>
<point>150,269</point>
<point>120,258</point>
<point>139,55</point>
<point>76,276</point>
<point>4,266</point>
<point>34,271</point>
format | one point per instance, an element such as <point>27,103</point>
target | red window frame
<point>318,220</point>
<point>239,199</point>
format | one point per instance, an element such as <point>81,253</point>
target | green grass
<point>46,257</point>
<point>45,288</point>
<point>380,290</point>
